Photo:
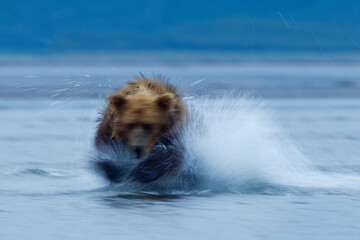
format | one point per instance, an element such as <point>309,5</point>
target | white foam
<point>235,144</point>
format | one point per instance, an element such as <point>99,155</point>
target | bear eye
<point>130,126</point>
<point>147,127</point>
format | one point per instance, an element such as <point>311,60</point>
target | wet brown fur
<point>154,104</point>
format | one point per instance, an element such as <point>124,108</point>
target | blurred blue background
<point>292,68</point>
<point>43,26</point>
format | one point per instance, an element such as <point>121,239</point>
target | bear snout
<point>139,150</point>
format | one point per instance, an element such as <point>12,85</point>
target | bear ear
<point>166,101</point>
<point>117,101</point>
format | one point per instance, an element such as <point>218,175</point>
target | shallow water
<point>275,168</point>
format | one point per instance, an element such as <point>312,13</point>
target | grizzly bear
<point>144,117</point>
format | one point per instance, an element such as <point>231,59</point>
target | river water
<point>278,154</point>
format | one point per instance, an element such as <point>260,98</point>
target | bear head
<point>141,119</point>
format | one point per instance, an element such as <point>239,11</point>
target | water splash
<point>235,145</point>
<point>232,144</point>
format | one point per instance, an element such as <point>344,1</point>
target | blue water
<point>275,140</point>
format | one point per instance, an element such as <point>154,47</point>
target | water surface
<point>280,154</point>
